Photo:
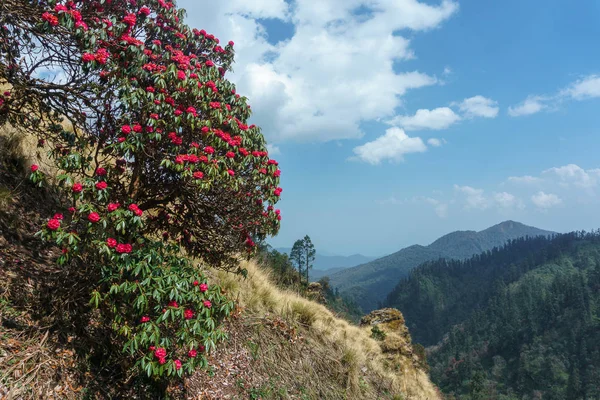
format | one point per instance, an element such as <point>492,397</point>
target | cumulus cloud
<point>345,74</point>
<point>436,119</point>
<point>531,105</point>
<point>479,106</point>
<point>585,88</point>
<point>573,174</point>
<point>440,208</point>
<point>474,198</point>
<point>273,150</point>
<point>506,201</point>
<point>392,147</point>
<point>434,142</point>
<point>545,201</point>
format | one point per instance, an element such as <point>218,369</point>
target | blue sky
<point>397,121</point>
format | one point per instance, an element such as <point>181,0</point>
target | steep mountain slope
<point>519,322</point>
<point>369,284</point>
<point>325,262</point>
<point>280,345</point>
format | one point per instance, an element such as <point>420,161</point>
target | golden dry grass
<point>344,350</point>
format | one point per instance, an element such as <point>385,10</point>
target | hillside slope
<point>369,284</point>
<point>280,346</point>
<point>520,322</point>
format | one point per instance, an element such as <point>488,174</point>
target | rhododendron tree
<point>155,155</point>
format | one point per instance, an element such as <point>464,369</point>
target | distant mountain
<point>519,322</point>
<point>369,284</point>
<point>326,262</point>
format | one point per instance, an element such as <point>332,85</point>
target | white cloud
<point>474,198</point>
<point>585,88</point>
<point>434,142</point>
<point>479,106</point>
<point>526,179</point>
<point>436,119</point>
<point>545,201</point>
<point>447,71</point>
<point>531,105</point>
<point>273,150</point>
<point>346,73</point>
<point>575,175</point>
<point>441,209</point>
<point>392,146</point>
<point>506,200</point>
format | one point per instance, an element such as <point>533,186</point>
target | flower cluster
<point>163,161</point>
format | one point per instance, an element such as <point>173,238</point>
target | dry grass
<point>295,348</point>
<point>332,358</point>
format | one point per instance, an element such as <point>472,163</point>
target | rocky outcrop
<point>396,338</point>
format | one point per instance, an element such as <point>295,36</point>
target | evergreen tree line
<point>518,322</point>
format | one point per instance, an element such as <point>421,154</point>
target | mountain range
<point>368,284</point>
<point>518,322</point>
<point>328,262</point>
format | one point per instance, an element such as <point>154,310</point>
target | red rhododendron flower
<point>77,187</point>
<point>230,154</point>
<point>124,248</point>
<point>195,283</point>
<point>198,174</point>
<point>58,216</point>
<point>230,172</point>
<point>231,43</point>
<point>34,167</point>
<point>130,19</point>
<point>113,206</point>
<point>162,361</point>
<point>88,57</point>
<point>188,314</point>
<point>100,171</point>
<point>53,224</point>
<point>137,128</point>
<point>203,287</point>
<point>209,150</point>
<point>110,242</point>
<point>101,185</point>
<point>101,55</point>
<point>161,352</point>
<point>71,210</point>
<point>145,319</point>
<point>94,217</point>
<point>126,129</point>
<point>51,19</point>
<point>173,303</point>
<point>207,303</point>
<point>177,364</point>
<point>192,353</point>
<point>135,209</point>
<point>145,11</point>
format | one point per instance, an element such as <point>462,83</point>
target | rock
<point>391,321</point>
<point>315,292</point>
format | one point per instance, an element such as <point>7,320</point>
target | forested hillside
<point>517,322</point>
<point>369,284</point>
